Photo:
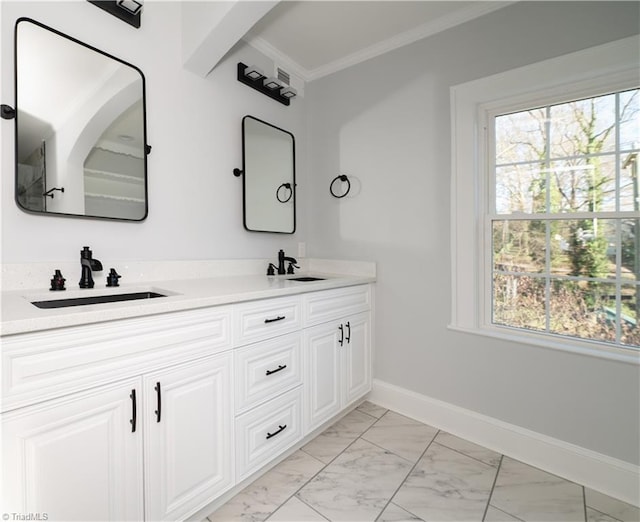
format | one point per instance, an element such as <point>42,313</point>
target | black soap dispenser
<point>112,278</point>
<point>57,282</point>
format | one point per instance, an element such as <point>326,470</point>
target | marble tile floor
<point>377,465</point>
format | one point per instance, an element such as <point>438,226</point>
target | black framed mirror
<point>269,177</point>
<point>80,128</point>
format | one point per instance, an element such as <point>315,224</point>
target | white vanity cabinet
<point>79,456</point>
<point>154,418</point>
<point>188,432</point>
<point>268,380</point>
<point>337,352</point>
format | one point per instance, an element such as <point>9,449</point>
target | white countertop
<point>19,315</point>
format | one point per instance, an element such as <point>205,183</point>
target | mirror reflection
<point>269,177</point>
<point>80,128</point>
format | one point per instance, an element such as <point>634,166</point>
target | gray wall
<point>386,123</point>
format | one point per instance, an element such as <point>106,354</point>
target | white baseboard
<point>611,476</point>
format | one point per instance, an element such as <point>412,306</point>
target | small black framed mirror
<point>80,122</point>
<point>269,177</point>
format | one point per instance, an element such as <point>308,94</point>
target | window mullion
<point>547,166</point>
<point>618,173</point>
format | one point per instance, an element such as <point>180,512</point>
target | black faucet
<point>281,261</point>
<point>88,264</point>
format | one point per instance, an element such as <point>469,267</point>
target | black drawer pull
<point>282,428</point>
<point>279,318</point>
<point>159,396</point>
<point>348,338</point>
<point>278,369</point>
<point>341,340</point>
<point>133,411</point>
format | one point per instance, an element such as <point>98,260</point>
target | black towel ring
<point>287,186</point>
<point>340,177</point>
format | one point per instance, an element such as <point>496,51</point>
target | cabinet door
<point>188,433</point>
<point>356,357</point>
<point>323,370</point>
<point>76,458</point>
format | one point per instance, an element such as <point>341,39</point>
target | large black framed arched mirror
<point>81,138</point>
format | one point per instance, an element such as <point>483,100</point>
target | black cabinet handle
<point>134,413</point>
<point>348,338</point>
<point>282,428</point>
<point>279,318</point>
<point>341,340</point>
<point>159,401</point>
<point>278,369</point>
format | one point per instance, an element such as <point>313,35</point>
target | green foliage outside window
<point>566,223</point>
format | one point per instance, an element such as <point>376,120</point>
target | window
<point>545,232</point>
<point>563,220</point>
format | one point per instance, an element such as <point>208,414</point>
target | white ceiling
<point>313,38</point>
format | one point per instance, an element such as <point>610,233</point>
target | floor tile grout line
<point>312,508</point>
<point>405,479</point>
<point>308,454</point>
<point>544,471</point>
<point>372,416</point>
<point>503,511</point>
<point>376,405</point>
<point>299,500</point>
<point>493,486</point>
<point>390,451</point>
<point>466,454</point>
<point>602,513</point>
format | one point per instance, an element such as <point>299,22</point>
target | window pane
<point>583,127</point>
<point>629,183</point>
<point>585,247</point>
<point>519,301</point>
<point>630,330</point>
<point>629,233</point>
<point>573,276</point>
<point>629,120</point>
<point>520,188</point>
<point>520,137</point>
<point>519,246</point>
<point>583,185</point>
<point>581,309</point>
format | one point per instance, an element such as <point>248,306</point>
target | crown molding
<point>408,37</point>
<point>260,44</point>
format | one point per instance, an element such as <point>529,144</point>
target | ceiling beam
<point>210,29</point>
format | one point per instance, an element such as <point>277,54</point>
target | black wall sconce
<point>256,79</point>
<point>129,11</point>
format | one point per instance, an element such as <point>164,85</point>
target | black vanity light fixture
<point>129,11</point>
<point>272,87</point>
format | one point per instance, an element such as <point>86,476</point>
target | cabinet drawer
<point>321,307</point>
<point>266,369</point>
<point>41,365</point>
<point>265,319</point>
<point>265,432</point>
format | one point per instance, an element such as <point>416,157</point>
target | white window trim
<point>612,66</point>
